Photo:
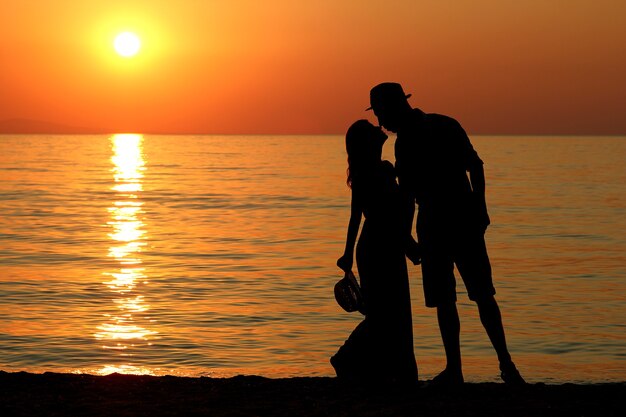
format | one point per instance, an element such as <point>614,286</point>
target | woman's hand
<point>345,263</point>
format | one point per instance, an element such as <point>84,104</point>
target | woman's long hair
<point>360,150</point>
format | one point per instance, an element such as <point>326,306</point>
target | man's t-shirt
<point>433,155</point>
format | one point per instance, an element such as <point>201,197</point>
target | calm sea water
<point>215,255</point>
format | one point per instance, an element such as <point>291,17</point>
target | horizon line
<point>24,126</point>
<point>104,132</point>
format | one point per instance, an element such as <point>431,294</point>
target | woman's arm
<point>345,262</point>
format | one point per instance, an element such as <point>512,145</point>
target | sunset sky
<point>289,66</point>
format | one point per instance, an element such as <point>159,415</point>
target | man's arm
<point>411,247</point>
<point>474,165</point>
<point>477,179</point>
<point>407,207</point>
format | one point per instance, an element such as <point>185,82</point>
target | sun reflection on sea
<point>121,331</point>
<point>125,369</point>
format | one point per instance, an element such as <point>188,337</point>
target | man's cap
<point>385,93</point>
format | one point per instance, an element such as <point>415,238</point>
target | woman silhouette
<point>381,347</point>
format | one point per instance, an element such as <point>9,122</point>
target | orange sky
<point>289,66</point>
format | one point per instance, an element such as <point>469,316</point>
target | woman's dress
<point>381,347</point>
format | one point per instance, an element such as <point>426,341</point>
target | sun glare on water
<point>127,44</point>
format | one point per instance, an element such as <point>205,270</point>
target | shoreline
<point>26,394</point>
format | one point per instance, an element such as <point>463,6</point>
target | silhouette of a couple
<point>433,157</point>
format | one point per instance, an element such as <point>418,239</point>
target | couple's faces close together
<point>364,138</point>
<point>376,138</point>
<point>364,141</point>
<point>386,118</point>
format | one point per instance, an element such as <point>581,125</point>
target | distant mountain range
<point>28,126</point>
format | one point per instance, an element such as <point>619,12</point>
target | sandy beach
<point>51,394</point>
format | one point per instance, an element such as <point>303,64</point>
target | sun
<point>127,44</point>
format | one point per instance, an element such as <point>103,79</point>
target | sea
<point>215,256</point>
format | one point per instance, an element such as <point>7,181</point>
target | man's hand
<point>484,221</point>
<point>482,217</point>
<point>413,251</point>
<point>479,204</point>
<point>345,263</point>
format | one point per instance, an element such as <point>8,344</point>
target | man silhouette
<point>433,156</point>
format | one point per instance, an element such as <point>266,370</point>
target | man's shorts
<point>466,250</point>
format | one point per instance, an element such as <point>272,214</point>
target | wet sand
<point>50,394</point>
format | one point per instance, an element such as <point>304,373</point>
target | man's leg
<point>491,318</point>
<point>474,266</point>
<point>440,292</point>
<point>450,328</point>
